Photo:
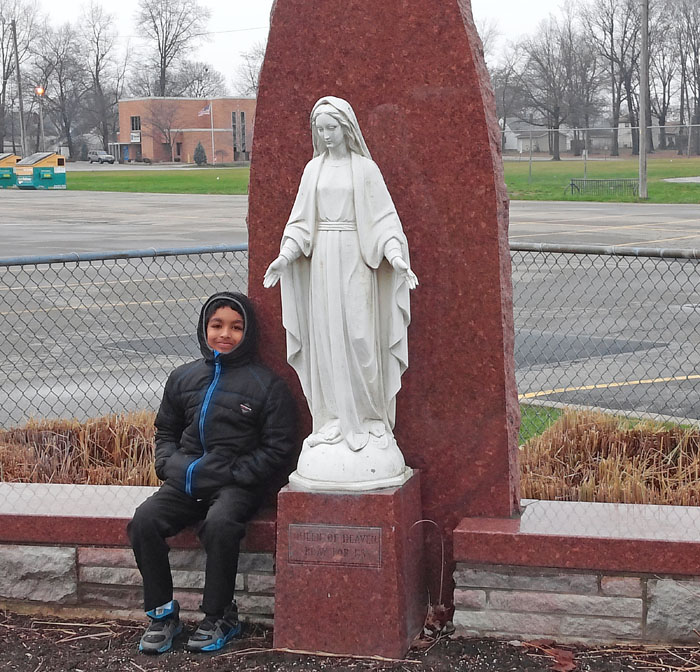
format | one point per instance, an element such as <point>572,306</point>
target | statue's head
<point>330,107</point>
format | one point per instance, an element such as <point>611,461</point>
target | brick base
<point>105,582</point>
<point>575,606</point>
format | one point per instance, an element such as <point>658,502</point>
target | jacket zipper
<point>202,419</point>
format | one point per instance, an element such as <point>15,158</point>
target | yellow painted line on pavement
<point>604,386</point>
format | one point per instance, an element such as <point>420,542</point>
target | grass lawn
<point>535,419</point>
<point>178,181</point>
<point>549,179</point>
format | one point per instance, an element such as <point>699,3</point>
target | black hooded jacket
<point>224,419</point>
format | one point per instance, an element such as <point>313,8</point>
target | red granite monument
<point>415,76</point>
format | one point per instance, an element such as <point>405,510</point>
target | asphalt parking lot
<point>60,222</point>
<point>54,222</point>
<point>619,224</point>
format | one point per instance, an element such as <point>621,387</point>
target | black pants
<point>222,518</point>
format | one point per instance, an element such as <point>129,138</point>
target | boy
<point>226,425</point>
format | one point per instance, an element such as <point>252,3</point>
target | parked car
<point>100,156</point>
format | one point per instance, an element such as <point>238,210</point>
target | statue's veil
<point>344,109</point>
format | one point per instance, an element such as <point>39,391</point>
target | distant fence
<point>625,186</point>
<point>520,140</point>
<point>92,334</point>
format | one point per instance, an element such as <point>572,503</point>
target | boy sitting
<point>225,427</point>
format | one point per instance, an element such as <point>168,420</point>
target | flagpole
<point>211,123</point>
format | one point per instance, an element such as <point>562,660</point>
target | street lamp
<point>39,90</point>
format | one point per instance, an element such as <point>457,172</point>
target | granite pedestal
<point>349,575</point>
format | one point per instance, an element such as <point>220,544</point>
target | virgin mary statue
<point>345,278</point>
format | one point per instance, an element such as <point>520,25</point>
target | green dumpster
<point>7,173</point>
<point>43,170</point>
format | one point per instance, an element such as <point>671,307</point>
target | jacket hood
<point>246,350</point>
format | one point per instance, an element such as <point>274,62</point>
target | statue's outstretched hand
<point>274,271</point>
<point>401,267</point>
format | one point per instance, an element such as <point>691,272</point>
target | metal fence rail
<point>610,328</point>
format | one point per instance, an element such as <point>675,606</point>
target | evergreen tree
<point>200,156</point>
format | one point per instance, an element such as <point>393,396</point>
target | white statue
<point>345,277</point>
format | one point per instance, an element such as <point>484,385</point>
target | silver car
<point>100,156</point>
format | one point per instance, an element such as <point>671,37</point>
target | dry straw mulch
<point>112,450</point>
<point>581,457</point>
<point>591,457</point>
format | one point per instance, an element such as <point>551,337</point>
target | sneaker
<point>159,635</point>
<point>213,634</point>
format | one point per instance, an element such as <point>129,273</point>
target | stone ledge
<point>587,536</point>
<point>95,515</point>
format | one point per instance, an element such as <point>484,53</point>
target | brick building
<point>168,129</point>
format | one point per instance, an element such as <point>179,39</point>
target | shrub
<point>200,156</point>
<point>593,457</point>
<point>111,450</point>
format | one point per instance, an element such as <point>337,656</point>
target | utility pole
<point>643,100</point>
<point>19,89</point>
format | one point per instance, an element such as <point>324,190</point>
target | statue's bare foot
<point>329,433</point>
<point>357,440</point>
<point>376,428</point>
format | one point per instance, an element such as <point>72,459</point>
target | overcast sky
<point>237,24</point>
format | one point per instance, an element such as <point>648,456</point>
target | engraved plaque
<point>335,545</point>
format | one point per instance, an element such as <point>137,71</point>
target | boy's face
<point>224,330</point>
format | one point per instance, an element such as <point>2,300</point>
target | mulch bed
<point>36,644</point>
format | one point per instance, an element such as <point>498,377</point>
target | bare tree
<point>161,121</point>
<point>248,74</point>
<point>99,48</point>
<point>546,77</point>
<point>25,13</point>
<point>489,32</point>
<point>142,78</point>
<point>614,27</point>
<point>199,80</point>
<point>506,79</point>
<point>663,65</point>
<point>173,26</point>
<point>688,18</point>
<point>116,93</point>
<point>59,68</point>
<point>583,65</point>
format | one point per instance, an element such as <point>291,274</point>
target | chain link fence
<point>93,334</point>
<point>613,329</point>
<point>604,328</point>
<point>86,335</point>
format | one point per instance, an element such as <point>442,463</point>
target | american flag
<point>205,110</point>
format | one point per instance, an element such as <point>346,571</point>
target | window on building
<point>135,123</point>
<point>243,147</point>
<point>234,128</point>
<point>178,148</point>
